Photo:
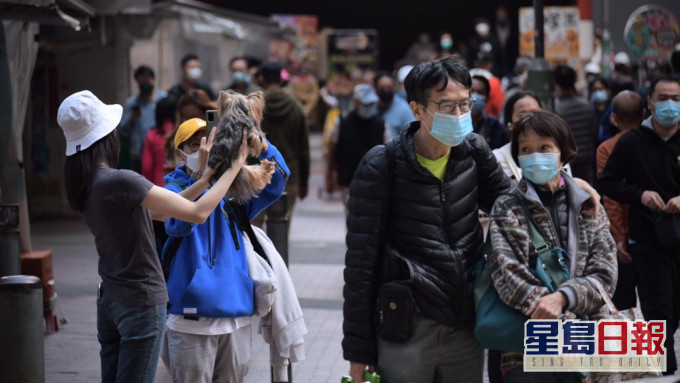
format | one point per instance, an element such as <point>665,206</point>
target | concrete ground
<point>317,252</point>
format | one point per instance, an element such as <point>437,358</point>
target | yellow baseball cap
<point>187,129</point>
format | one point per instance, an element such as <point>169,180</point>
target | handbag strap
<point>607,299</point>
<point>551,266</point>
<point>245,226</point>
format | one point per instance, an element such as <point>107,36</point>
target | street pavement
<point>316,251</point>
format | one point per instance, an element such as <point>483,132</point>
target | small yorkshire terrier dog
<point>236,112</point>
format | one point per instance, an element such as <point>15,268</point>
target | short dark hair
<point>380,75</point>
<point>600,79</point>
<point>425,76</point>
<point>565,77</point>
<point>166,108</point>
<point>485,82</point>
<point>144,70</point>
<point>545,124</point>
<point>512,100</point>
<point>80,168</point>
<point>675,61</point>
<point>188,58</point>
<point>270,70</point>
<point>233,59</point>
<point>483,58</point>
<point>662,78</point>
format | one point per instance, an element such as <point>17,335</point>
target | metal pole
<point>22,338</point>
<point>540,73</point>
<point>277,230</point>
<point>539,39</point>
<point>606,40</point>
<point>10,256</point>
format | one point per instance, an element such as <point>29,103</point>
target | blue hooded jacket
<point>209,274</point>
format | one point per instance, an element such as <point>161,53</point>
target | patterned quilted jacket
<point>590,248</point>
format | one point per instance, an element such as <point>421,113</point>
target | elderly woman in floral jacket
<point>542,143</point>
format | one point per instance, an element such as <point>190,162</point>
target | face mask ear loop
<point>423,122</point>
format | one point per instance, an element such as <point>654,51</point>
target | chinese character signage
<point>561,34</point>
<point>605,345</point>
<point>651,33</point>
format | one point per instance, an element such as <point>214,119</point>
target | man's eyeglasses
<point>449,107</point>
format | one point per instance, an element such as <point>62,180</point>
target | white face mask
<point>482,29</point>
<point>191,160</point>
<point>194,73</point>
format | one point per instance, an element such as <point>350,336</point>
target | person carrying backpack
<point>208,337</point>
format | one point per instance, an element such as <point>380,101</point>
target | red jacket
<point>494,104</point>
<point>154,155</point>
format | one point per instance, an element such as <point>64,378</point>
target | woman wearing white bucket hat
<point>118,206</point>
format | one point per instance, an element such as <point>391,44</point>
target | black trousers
<point>659,289</point>
<point>625,296</point>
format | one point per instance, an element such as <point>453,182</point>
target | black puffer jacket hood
<point>404,223</point>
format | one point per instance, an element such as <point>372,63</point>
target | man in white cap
<point>592,70</point>
<point>620,78</point>
<point>353,135</point>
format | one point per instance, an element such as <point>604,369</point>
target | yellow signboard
<point>561,34</point>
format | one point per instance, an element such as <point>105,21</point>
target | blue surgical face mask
<point>667,113</point>
<point>539,168</point>
<point>599,96</point>
<point>240,78</point>
<point>480,103</point>
<point>367,112</point>
<point>450,130</point>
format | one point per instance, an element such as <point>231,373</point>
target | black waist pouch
<point>396,311</point>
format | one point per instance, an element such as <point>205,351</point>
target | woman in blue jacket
<point>208,336</point>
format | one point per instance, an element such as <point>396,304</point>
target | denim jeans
<point>130,339</point>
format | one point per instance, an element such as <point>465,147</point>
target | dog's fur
<point>236,112</point>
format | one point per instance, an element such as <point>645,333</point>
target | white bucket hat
<point>85,120</point>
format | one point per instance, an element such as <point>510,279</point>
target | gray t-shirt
<point>128,264</point>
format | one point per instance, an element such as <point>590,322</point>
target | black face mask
<point>145,88</point>
<point>386,96</point>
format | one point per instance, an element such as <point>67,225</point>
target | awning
<point>66,13</point>
<point>199,17</point>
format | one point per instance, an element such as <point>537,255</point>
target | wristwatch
<point>197,175</point>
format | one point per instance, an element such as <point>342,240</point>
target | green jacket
<point>285,126</point>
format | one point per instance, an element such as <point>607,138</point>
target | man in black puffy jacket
<point>413,217</point>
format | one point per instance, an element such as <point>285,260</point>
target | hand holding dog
<point>244,150</point>
<point>243,153</point>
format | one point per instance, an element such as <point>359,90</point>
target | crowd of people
<point>430,159</point>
